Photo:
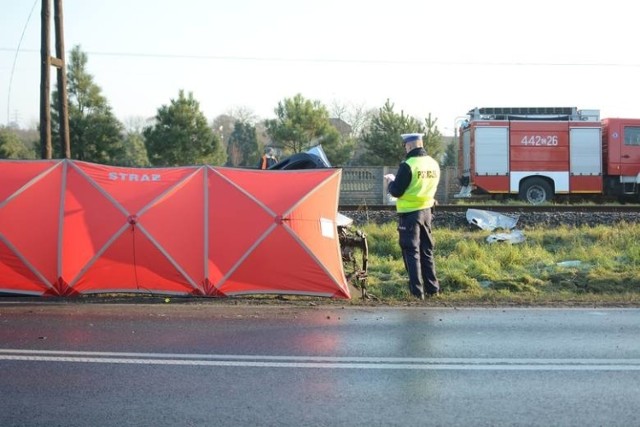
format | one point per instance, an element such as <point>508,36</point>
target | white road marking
<point>321,362</point>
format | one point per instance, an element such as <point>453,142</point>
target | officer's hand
<point>390,177</point>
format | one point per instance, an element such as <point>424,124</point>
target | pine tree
<point>95,133</point>
<point>181,136</point>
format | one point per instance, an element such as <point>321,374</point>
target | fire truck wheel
<point>535,191</point>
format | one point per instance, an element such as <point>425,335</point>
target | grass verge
<point>565,265</point>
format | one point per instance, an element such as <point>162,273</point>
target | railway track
<point>505,208</point>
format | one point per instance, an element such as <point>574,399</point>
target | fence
<point>366,186</point>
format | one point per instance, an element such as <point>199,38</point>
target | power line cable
<point>355,61</point>
<point>15,59</point>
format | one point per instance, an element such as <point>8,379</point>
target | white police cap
<point>411,137</point>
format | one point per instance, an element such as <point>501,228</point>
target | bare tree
<point>357,115</point>
<point>222,126</point>
<point>136,124</point>
<point>243,115</point>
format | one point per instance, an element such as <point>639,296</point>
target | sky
<point>439,58</point>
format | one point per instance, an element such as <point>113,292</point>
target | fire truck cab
<point>537,153</point>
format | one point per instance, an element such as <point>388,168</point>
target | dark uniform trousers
<point>417,244</point>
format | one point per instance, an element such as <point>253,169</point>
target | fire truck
<point>539,153</point>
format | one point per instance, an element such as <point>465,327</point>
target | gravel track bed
<point>458,220</point>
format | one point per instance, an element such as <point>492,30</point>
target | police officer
<point>414,186</point>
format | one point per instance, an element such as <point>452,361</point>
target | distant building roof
<point>343,127</point>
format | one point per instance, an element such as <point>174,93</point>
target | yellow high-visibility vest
<point>420,194</point>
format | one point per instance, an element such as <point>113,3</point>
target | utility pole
<point>45,81</point>
<point>46,61</point>
<point>60,64</point>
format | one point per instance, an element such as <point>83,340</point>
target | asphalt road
<point>291,365</point>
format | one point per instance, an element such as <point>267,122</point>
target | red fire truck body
<point>536,153</point>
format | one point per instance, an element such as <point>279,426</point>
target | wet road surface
<point>203,364</point>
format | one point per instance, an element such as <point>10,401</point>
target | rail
<point>504,208</point>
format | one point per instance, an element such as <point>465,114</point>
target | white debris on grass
<point>488,220</point>
<point>343,220</point>
<point>571,263</point>
<point>516,236</point>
